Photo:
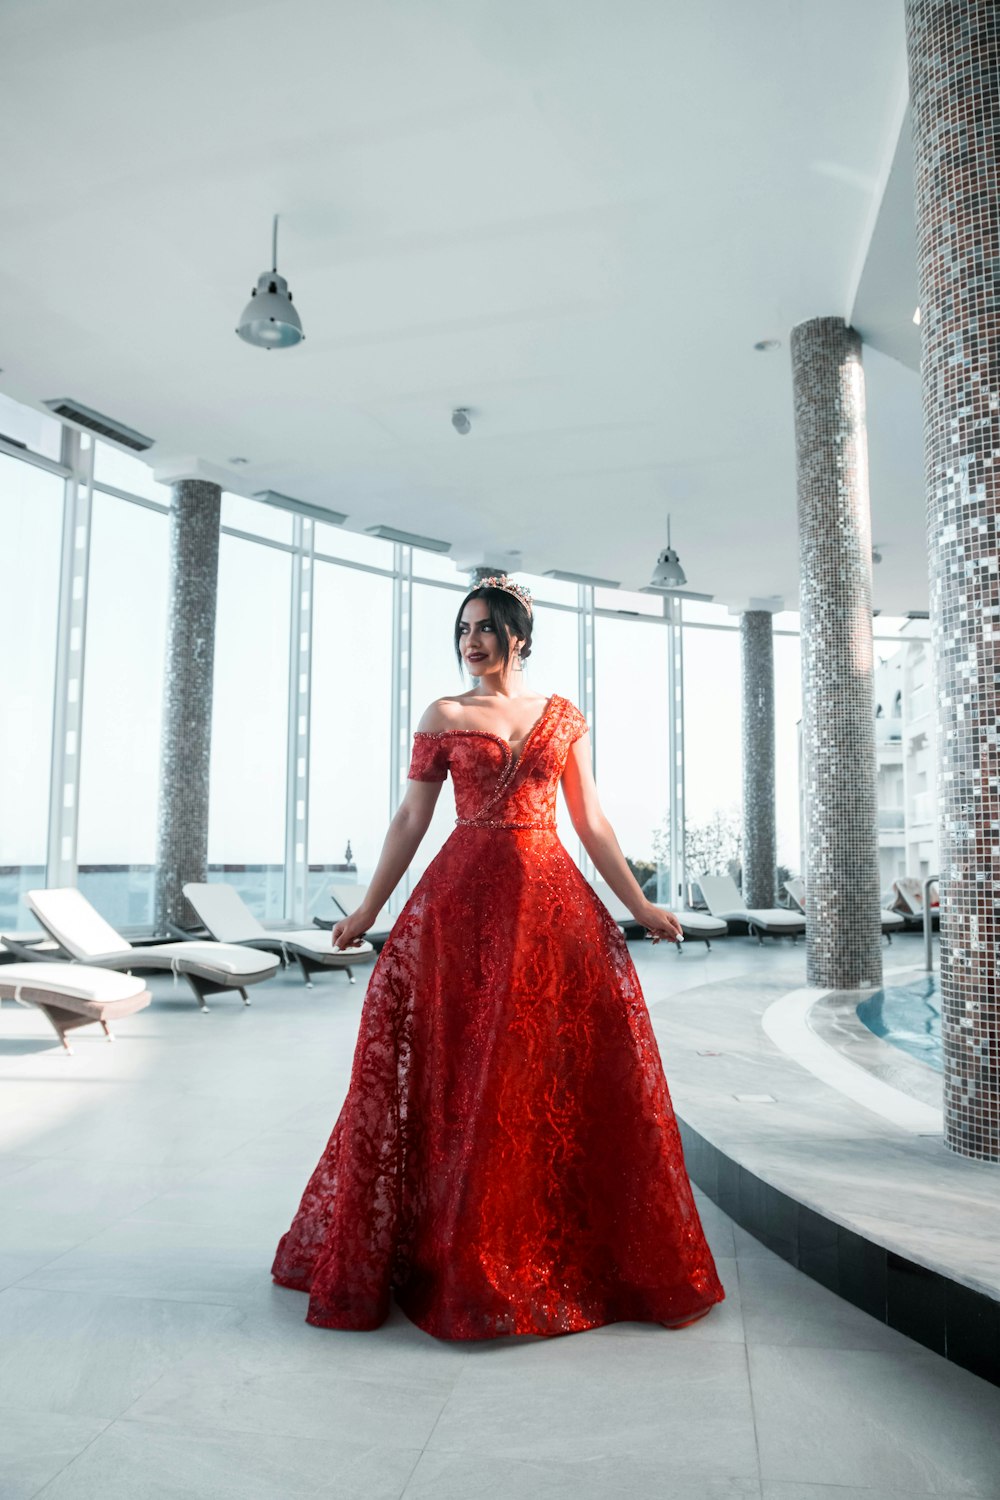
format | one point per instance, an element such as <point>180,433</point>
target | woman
<point>507,1159</point>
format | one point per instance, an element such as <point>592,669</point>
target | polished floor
<point>145,1353</point>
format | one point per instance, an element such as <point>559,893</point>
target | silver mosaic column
<point>757,679</point>
<point>186,735</point>
<point>954,61</point>
<point>843,926</point>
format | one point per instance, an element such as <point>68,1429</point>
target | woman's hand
<point>660,924</point>
<point>349,931</point>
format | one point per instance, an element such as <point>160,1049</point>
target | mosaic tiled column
<point>843,925</point>
<point>757,676</point>
<point>954,58</point>
<point>186,734</point>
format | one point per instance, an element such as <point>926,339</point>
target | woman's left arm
<point>598,838</point>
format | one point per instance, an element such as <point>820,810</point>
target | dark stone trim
<point>927,1306</point>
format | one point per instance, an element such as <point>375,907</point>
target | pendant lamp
<point>668,573</point>
<point>269,320</point>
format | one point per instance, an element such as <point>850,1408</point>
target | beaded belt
<point>500,823</point>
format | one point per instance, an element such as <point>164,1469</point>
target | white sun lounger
<point>891,921</point>
<point>348,898</point>
<point>723,900</point>
<point>72,995</point>
<point>908,900</point>
<point>209,968</point>
<point>694,924</point>
<point>230,920</point>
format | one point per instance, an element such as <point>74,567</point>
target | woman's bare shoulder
<point>443,713</point>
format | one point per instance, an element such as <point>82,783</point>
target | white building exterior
<point>904,738</point>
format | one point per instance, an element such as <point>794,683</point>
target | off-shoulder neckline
<point>489,734</point>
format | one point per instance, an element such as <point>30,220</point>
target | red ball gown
<point>507,1159</point>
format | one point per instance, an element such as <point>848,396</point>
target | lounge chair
<point>347,898</point>
<point>698,925</point>
<point>891,920</point>
<point>85,937</point>
<point>724,901</point>
<point>908,900</point>
<point>230,920</point>
<point>72,995</point>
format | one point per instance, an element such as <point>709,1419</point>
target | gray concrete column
<point>757,703</point>
<point>186,733</point>
<point>843,933</point>
<point>954,62</point>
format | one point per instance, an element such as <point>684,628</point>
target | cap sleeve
<point>576,724</point>
<point>429,761</point>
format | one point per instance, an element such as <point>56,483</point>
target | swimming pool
<point>908,1016</point>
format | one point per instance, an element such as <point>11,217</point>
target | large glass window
<point>246,828</point>
<point>256,517</point>
<point>350,793</point>
<point>353,546</point>
<point>787,713</point>
<point>434,673</point>
<point>123,471</point>
<point>349,767</point>
<point>35,429</point>
<point>633,775</point>
<point>713,760</point>
<point>31,503</point>
<point>122,705</point>
<point>437,565</point>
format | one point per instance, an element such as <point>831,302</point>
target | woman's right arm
<point>401,843</point>
<point>402,840</point>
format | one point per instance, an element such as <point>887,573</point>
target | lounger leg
<point>350,977</point>
<point>62,1022</point>
<point>246,997</point>
<point>107,1031</point>
<point>199,994</point>
<point>708,945</point>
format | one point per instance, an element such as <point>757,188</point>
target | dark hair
<point>508,616</point>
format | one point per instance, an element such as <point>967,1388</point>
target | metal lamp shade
<point>269,320</point>
<point>668,573</point>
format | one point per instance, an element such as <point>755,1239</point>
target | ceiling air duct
<point>94,421</point>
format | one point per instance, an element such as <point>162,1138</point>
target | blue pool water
<point>908,1016</point>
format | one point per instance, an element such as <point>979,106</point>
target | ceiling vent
<point>93,421</point>
<point>300,507</point>
<point>408,538</point>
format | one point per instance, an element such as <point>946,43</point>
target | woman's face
<point>478,640</point>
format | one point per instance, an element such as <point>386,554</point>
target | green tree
<point>714,847</point>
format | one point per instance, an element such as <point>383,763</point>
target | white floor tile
<point>458,1476</point>
<point>910,1423</point>
<point>133,1459</point>
<point>675,1402</point>
<point>35,1446</point>
<point>87,1355</point>
<point>210,1396</point>
<point>784,1306</point>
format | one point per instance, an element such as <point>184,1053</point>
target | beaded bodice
<point>494,787</point>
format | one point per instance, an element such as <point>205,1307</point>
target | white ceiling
<point>574,217</point>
